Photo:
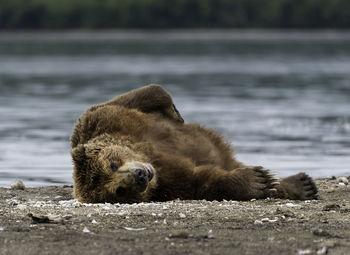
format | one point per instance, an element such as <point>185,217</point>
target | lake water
<point>282,98</point>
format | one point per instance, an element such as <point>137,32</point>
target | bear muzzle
<point>136,174</point>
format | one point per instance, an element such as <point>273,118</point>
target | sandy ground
<point>48,220</point>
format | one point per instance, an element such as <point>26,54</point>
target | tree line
<point>160,14</point>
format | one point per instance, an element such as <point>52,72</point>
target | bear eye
<point>114,167</point>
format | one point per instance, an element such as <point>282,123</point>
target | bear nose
<point>140,176</point>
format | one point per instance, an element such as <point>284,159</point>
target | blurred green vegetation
<point>95,14</point>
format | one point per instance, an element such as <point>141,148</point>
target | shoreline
<point>47,220</point>
<point>270,34</point>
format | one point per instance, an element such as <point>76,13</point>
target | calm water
<point>283,99</point>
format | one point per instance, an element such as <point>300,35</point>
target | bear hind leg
<point>243,183</point>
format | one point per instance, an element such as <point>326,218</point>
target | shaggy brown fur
<point>137,148</point>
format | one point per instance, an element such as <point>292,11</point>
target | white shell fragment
<point>265,220</point>
<point>86,230</point>
<point>134,229</point>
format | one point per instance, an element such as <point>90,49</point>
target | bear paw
<point>262,182</point>
<point>247,183</point>
<point>299,187</point>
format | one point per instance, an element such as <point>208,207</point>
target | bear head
<point>107,169</point>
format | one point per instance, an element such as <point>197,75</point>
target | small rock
<point>258,222</point>
<point>300,216</point>
<point>321,232</point>
<point>39,218</point>
<point>343,180</point>
<point>18,185</point>
<point>182,216</point>
<point>94,222</point>
<point>331,207</point>
<point>209,236</point>
<point>1,228</point>
<point>179,234</point>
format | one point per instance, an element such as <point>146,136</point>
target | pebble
<point>342,180</point>
<point>1,228</point>
<point>18,185</point>
<point>321,232</point>
<point>210,236</point>
<point>331,207</point>
<point>21,207</point>
<point>182,216</point>
<point>36,218</point>
<point>285,212</point>
<point>179,234</point>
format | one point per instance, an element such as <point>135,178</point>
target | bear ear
<point>80,161</point>
<point>78,155</point>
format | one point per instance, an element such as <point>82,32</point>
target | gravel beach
<point>47,220</point>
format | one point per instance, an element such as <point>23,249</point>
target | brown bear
<point>137,148</point>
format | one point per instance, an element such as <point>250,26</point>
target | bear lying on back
<point>137,148</point>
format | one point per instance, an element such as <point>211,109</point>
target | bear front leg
<point>243,183</point>
<point>149,99</point>
<point>297,187</point>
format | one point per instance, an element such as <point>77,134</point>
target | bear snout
<point>140,176</point>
